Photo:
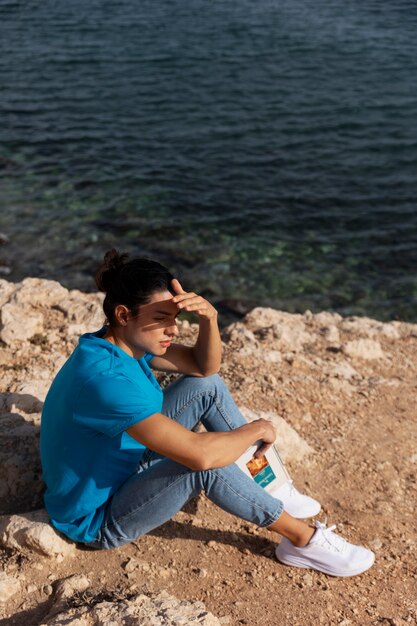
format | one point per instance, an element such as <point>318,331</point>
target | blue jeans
<point>160,487</point>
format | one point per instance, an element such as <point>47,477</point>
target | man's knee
<point>214,381</point>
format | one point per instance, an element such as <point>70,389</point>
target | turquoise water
<point>266,151</point>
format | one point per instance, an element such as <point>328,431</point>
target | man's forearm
<point>208,347</point>
<point>221,449</point>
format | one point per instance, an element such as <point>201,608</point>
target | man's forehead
<point>161,302</point>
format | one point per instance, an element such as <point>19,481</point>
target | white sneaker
<point>295,503</point>
<point>326,552</point>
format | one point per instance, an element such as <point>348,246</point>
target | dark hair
<point>130,282</point>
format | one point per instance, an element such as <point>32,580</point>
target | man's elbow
<point>199,464</point>
<point>209,372</point>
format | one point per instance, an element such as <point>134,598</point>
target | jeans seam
<point>199,395</point>
<point>185,406</point>
<point>272,516</point>
<point>221,410</point>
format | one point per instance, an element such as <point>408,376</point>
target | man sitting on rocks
<point>120,456</point>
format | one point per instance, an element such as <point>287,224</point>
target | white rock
<point>83,311</point>
<point>35,291</point>
<point>344,370</point>
<point>376,544</point>
<point>67,587</point>
<point>290,445</point>
<point>262,317</point>
<point>308,579</point>
<point>141,610</point>
<point>405,329</point>
<point>74,331</point>
<point>324,318</point>
<point>286,332</point>
<point>293,338</point>
<point>249,351</point>
<point>33,532</point>
<point>38,387</point>
<point>285,335</point>
<point>256,353</point>
<point>331,333</point>
<point>391,331</point>
<point>9,586</point>
<point>238,332</point>
<point>44,539</point>
<point>6,290</point>
<point>372,328</point>
<point>364,349</point>
<point>360,325</point>
<point>28,397</point>
<point>341,385</point>
<point>272,356</point>
<point>19,325</point>
<point>130,565</point>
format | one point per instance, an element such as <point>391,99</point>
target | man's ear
<point>121,313</point>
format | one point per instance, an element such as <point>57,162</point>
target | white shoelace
<point>328,539</point>
<point>292,488</point>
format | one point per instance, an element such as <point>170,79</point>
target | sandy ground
<point>363,472</point>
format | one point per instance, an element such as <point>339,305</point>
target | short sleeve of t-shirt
<point>110,404</point>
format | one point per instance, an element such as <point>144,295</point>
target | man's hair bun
<point>112,264</point>
<point>130,282</point>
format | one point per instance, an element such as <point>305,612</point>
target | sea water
<point>266,151</point>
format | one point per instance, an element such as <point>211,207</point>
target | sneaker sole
<point>341,573</point>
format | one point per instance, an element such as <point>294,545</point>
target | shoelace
<point>292,488</point>
<point>327,538</point>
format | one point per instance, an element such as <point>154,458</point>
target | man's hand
<point>189,301</point>
<point>268,437</point>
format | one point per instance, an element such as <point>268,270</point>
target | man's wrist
<point>210,320</point>
<point>256,429</point>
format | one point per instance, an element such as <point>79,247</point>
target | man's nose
<point>172,329</point>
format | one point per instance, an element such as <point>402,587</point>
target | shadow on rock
<point>21,486</point>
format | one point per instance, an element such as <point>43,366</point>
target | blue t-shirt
<point>86,455</point>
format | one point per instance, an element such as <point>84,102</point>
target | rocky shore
<point>342,392</point>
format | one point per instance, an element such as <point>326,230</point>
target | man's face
<point>153,329</point>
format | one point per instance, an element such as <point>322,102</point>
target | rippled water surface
<point>266,151</point>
